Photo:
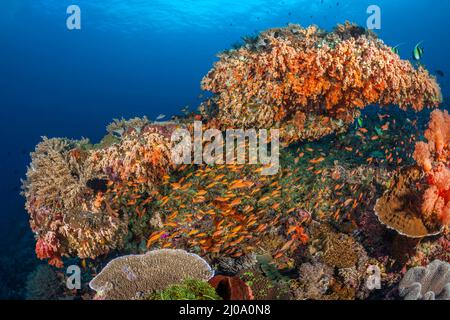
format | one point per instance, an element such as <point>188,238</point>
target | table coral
<point>135,276</point>
<point>310,83</point>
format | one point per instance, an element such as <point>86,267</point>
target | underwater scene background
<point>136,58</point>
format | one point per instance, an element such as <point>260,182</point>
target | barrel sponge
<point>136,276</point>
<point>427,283</point>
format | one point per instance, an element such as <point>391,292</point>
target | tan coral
<point>134,276</point>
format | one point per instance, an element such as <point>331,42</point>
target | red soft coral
<point>47,248</point>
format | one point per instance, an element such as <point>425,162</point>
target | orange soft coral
<point>434,158</point>
<point>293,69</point>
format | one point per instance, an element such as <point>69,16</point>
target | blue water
<point>147,57</point>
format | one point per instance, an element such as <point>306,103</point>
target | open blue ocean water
<point>145,57</point>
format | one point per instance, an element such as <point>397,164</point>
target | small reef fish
<point>160,117</point>
<point>418,52</point>
<point>396,49</point>
<point>185,109</point>
<point>440,73</point>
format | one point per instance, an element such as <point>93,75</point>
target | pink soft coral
<point>434,158</point>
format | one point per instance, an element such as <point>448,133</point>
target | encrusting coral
<point>427,283</point>
<point>137,276</point>
<point>418,202</point>
<point>310,83</point>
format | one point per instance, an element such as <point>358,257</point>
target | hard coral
<point>326,76</point>
<point>56,189</point>
<point>135,276</point>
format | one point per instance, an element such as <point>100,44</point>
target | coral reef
<point>135,276</point>
<point>311,231</point>
<point>74,190</point>
<point>310,83</point>
<point>60,203</point>
<point>429,283</point>
<point>226,211</point>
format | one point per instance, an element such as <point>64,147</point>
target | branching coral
<point>134,277</point>
<point>307,80</point>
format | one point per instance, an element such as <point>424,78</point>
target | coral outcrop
<point>310,83</point>
<point>75,190</point>
<point>427,283</point>
<point>135,276</point>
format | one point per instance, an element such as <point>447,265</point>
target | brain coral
<point>134,276</point>
<point>310,83</point>
<point>429,283</point>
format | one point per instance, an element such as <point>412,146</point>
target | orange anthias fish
<point>239,184</point>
